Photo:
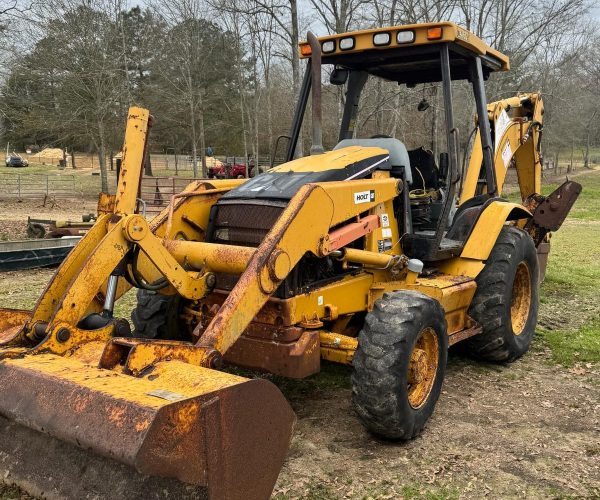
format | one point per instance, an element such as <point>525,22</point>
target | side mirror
<point>276,148</point>
<point>339,76</point>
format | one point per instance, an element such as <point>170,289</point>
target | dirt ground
<point>525,430</point>
<point>529,429</point>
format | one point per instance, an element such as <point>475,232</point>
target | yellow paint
<point>518,144</point>
<point>174,376</point>
<point>454,295</point>
<point>521,298</point>
<point>303,226</point>
<point>422,367</point>
<point>461,266</point>
<point>337,348</point>
<point>450,33</point>
<point>331,160</point>
<point>77,338</point>
<point>488,227</point>
<point>134,149</point>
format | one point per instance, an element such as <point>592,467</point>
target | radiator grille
<point>244,224</point>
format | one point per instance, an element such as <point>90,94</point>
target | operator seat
<point>398,153</point>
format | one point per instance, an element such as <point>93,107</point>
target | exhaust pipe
<point>316,147</point>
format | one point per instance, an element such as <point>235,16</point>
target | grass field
<point>570,313</point>
<point>571,325</point>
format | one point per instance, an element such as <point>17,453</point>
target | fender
<point>487,229</point>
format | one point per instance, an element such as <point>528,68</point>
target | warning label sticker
<point>506,154</point>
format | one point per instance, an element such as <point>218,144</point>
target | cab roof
<point>409,53</point>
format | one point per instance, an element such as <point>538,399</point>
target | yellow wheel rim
<point>422,367</point>
<point>521,299</point>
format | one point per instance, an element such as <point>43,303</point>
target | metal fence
<point>171,162</point>
<point>156,192</point>
<point>46,187</point>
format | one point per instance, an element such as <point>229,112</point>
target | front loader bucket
<point>202,427</point>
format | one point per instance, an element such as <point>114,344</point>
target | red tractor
<point>231,169</point>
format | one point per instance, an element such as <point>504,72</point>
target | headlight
<point>406,36</point>
<point>380,39</point>
<point>347,43</point>
<point>328,47</point>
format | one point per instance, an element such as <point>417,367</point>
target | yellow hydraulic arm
<point>517,126</point>
<point>58,373</point>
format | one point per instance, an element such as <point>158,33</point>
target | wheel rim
<point>521,299</point>
<point>422,367</point>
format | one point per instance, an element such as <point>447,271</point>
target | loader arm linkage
<point>69,369</point>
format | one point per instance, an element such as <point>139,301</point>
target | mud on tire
<point>386,402</point>
<point>507,299</point>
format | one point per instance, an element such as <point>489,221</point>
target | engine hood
<point>282,182</point>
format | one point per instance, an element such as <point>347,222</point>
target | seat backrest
<point>398,153</point>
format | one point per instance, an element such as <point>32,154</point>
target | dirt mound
<point>48,155</point>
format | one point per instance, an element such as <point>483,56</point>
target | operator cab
<point>435,53</point>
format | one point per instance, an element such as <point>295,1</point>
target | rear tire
<point>388,394</point>
<point>156,316</point>
<point>507,299</point>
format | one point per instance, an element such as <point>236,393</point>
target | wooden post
<point>176,166</point>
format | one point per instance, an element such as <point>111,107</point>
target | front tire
<point>399,365</point>
<point>507,299</point>
<point>156,316</point>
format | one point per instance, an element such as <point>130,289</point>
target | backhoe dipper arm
<point>517,141</point>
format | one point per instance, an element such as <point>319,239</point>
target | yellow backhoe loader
<point>368,254</point>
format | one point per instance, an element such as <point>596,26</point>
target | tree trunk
<point>586,162</point>
<point>379,111</point>
<point>202,141</point>
<point>148,165</point>
<point>102,159</point>
<point>194,144</point>
<point>295,66</point>
<point>396,117</point>
<point>570,169</point>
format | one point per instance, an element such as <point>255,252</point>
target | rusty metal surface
<point>215,257</point>
<point>106,203</point>
<point>189,423</point>
<point>249,294</point>
<point>298,359</point>
<point>471,330</point>
<point>275,311</point>
<point>543,250</point>
<point>552,212</point>
<point>11,323</point>
<point>76,473</point>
